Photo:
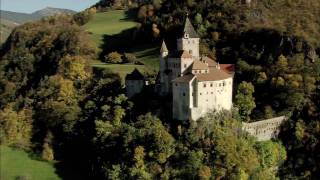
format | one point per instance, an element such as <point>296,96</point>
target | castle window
<point>176,84</point>
<point>184,94</point>
<point>185,65</point>
<point>200,93</point>
<point>195,71</point>
<point>211,85</point>
<point>224,83</point>
<point>204,85</point>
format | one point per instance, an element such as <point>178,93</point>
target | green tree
<point>244,100</point>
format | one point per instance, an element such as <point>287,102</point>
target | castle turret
<point>164,50</point>
<point>163,57</point>
<point>189,39</point>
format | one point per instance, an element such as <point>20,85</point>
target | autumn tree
<point>47,151</point>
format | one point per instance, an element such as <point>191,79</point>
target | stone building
<point>196,82</point>
<point>135,82</point>
<point>265,129</point>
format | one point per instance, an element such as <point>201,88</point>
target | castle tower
<point>189,40</point>
<point>163,77</point>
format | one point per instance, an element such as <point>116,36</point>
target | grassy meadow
<point>112,24</point>
<point>108,23</point>
<point>15,163</point>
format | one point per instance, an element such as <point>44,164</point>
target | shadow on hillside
<point>128,40</point>
<point>130,15</point>
<point>120,42</point>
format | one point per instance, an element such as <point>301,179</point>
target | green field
<point>108,23</point>
<point>121,69</point>
<point>112,23</point>
<point>14,163</point>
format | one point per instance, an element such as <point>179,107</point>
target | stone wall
<point>265,129</point>
<point>134,87</point>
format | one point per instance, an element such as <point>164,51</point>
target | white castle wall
<point>189,44</point>
<point>201,98</point>
<point>265,129</point>
<point>212,95</point>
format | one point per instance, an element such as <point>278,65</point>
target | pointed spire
<point>189,29</point>
<point>163,47</point>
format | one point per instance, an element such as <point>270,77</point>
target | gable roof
<point>211,62</point>
<point>184,79</point>
<point>164,47</point>
<point>213,75</point>
<point>188,29</point>
<point>135,75</point>
<point>199,65</point>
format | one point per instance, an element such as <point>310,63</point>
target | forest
<point>55,105</point>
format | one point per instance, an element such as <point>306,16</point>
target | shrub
<point>114,57</point>
<point>85,16</point>
<point>129,58</point>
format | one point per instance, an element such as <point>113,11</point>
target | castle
<point>196,82</point>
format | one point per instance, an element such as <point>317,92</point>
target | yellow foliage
<point>17,126</point>
<point>204,173</point>
<point>74,68</point>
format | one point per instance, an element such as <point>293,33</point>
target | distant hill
<point>9,20</point>
<point>19,18</point>
<point>49,11</point>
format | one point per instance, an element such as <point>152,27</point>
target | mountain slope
<point>18,17</point>
<point>9,20</point>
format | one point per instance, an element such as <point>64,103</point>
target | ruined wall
<point>265,129</point>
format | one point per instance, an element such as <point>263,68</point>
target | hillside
<point>6,28</point>
<point>50,11</point>
<point>17,163</point>
<point>9,20</point>
<point>56,106</point>
<point>108,30</point>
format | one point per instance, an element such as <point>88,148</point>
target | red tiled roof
<point>228,68</point>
